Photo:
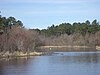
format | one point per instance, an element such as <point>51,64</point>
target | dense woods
<point>67,28</point>
<point>15,37</point>
<point>85,33</point>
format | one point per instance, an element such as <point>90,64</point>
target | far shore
<point>71,47</point>
<point>48,49</point>
<point>64,46</point>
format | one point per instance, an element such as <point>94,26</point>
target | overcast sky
<point>43,13</point>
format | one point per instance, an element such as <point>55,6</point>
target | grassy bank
<point>46,50</point>
<point>64,46</point>
<point>67,48</point>
<point>98,47</point>
<point>19,54</point>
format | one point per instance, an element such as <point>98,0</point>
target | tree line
<point>7,23</point>
<point>15,37</point>
<point>85,33</point>
<point>67,28</point>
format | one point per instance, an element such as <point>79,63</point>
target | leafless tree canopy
<point>18,39</point>
<point>74,39</point>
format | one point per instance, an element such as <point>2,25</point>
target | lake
<point>59,63</point>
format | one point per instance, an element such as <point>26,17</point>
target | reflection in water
<point>13,66</point>
<point>60,63</point>
<point>80,57</point>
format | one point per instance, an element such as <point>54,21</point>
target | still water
<point>59,63</point>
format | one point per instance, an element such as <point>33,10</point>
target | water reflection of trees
<point>82,58</point>
<point>90,58</point>
<point>8,64</point>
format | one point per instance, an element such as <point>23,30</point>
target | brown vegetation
<point>73,40</point>
<point>18,39</point>
<point>15,38</point>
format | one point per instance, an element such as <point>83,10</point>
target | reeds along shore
<point>98,47</point>
<point>47,50</point>
<point>70,48</point>
<point>20,54</point>
<point>64,46</point>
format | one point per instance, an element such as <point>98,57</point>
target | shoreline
<point>69,48</point>
<point>65,46</point>
<point>98,47</point>
<point>47,50</point>
<point>19,54</point>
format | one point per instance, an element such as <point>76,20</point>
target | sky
<point>43,13</point>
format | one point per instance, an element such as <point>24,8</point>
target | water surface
<point>59,63</point>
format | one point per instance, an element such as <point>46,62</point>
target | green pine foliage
<point>67,28</point>
<point>7,23</point>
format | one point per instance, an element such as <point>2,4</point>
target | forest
<point>85,33</point>
<point>15,37</point>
